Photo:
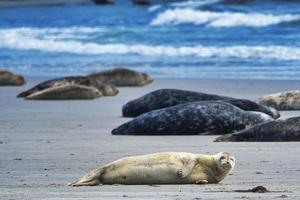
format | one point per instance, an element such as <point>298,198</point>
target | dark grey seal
<point>101,2</point>
<point>170,97</point>
<point>274,131</point>
<point>141,2</point>
<point>197,118</point>
<point>106,90</point>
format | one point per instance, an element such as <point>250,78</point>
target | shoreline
<point>46,144</point>
<point>46,77</point>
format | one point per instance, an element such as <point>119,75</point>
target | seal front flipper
<point>201,182</point>
<point>186,169</point>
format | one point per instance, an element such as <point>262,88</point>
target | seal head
<point>289,100</point>
<point>226,161</point>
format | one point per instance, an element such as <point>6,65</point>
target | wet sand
<point>46,144</point>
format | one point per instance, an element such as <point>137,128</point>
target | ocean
<point>207,39</point>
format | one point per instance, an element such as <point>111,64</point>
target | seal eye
<point>232,159</point>
<point>222,157</point>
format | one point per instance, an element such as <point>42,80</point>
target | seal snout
<point>20,80</point>
<point>147,78</point>
<point>121,130</point>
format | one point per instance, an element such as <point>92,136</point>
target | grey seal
<point>122,77</point>
<point>162,168</point>
<point>170,97</point>
<point>289,100</point>
<point>66,92</point>
<point>197,118</point>
<point>141,2</point>
<point>275,131</point>
<point>101,2</point>
<point>106,90</point>
<point>8,78</point>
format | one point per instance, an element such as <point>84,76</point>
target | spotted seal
<point>101,2</point>
<point>162,168</point>
<point>7,78</point>
<point>141,2</point>
<point>197,118</point>
<point>106,90</point>
<point>122,77</point>
<point>289,100</point>
<point>66,92</point>
<point>275,131</point>
<point>170,97</point>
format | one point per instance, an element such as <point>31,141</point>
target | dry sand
<point>44,145</point>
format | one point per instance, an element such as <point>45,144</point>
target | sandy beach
<point>46,144</point>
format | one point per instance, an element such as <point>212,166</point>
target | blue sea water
<point>240,39</point>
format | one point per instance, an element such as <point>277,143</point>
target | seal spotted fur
<point>162,168</point>
<point>282,101</point>
<point>106,90</point>
<point>9,79</point>
<point>197,118</point>
<point>66,92</point>
<point>170,97</point>
<point>279,130</point>
<point>123,77</point>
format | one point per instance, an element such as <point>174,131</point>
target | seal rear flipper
<point>91,179</point>
<point>225,138</point>
<point>86,183</point>
<point>202,182</point>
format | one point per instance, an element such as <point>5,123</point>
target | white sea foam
<point>20,40</point>
<point>154,8</point>
<point>220,19</point>
<point>54,33</point>
<point>194,4</point>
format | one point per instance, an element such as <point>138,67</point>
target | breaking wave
<point>218,19</point>
<point>51,33</point>
<point>28,40</point>
<point>194,4</point>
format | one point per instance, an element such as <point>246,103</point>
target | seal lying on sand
<point>123,77</point>
<point>106,90</point>
<point>170,97</point>
<point>66,92</point>
<point>9,79</point>
<point>162,168</point>
<point>197,118</point>
<point>282,101</point>
<point>274,131</point>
